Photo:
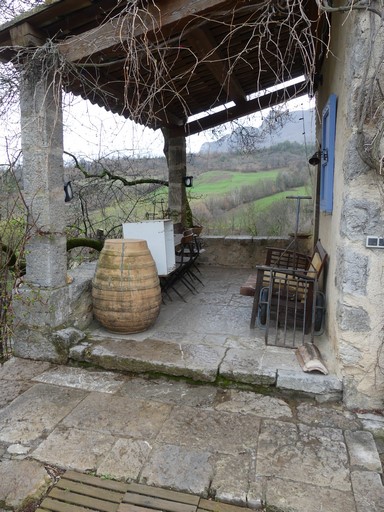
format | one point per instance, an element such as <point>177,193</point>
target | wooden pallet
<point>79,492</point>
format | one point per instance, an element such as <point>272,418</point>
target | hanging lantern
<point>188,181</point>
<point>68,191</point>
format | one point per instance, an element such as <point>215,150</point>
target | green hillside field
<point>222,182</point>
<point>224,201</point>
<point>272,215</point>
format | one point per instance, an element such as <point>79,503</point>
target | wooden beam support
<point>159,19</point>
<point>26,35</point>
<point>249,107</point>
<point>206,50</point>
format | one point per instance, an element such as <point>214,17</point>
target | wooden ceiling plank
<point>162,18</point>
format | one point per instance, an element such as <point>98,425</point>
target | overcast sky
<point>91,132</point>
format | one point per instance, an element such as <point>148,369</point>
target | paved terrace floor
<point>208,338</point>
<point>299,452</point>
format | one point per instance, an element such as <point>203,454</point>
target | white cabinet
<point>160,239</point>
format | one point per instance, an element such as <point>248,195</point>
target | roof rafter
<point>174,15</point>
<point>206,50</point>
<point>250,107</point>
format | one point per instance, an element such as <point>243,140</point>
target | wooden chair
<point>287,287</point>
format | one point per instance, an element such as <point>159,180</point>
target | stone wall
<point>355,315</point>
<point>243,251</point>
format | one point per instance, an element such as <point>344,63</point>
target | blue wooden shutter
<point>328,155</point>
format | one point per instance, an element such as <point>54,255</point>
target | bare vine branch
<point>115,177</point>
<point>362,5</point>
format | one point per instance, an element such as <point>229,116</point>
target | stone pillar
<point>42,306</point>
<point>176,155</point>
<point>42,146</point>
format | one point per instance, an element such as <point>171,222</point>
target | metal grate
<point>287,309</point>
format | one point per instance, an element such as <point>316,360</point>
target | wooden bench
<point>292,274</point>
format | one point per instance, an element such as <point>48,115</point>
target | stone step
<point>264,366</point>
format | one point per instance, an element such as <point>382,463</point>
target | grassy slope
<point>269,200</point>
<point>222,182</point>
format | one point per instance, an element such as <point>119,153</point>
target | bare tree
<point>13,236</point>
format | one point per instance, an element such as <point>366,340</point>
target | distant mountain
<point>298,126</point>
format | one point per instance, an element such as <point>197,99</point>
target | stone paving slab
<point>36,412</point>
<point>246,402</point>
<point>125,460</point>
<point>11,389</point>
<point>181,468</point>
<point>213,319</point>
<point>16,369</point>
<point>230,482</point>
<point>75,449</point>
<point>291,496</point>
<point>362,451</point>
<point>20,479</point>
<point>250,342</point>
<point>80,378</point>
<point>214,431</point>
<point>280,358</point>
<point>303,454</point>
<point>118,416</point>
<point>198,362</point>
<point>373,422</point>
<point>368,491</point>
<point>208,297</point>
<point>327,415</point>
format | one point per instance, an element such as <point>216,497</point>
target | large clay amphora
<point>125,289</point>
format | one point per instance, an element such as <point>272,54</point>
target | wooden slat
<point>128,507</point>
<point>158,503</point>
<point>59,506</point>
<point>163,493</point>
<point>84,501</point>
<point>215,506</point>
<point>96,481</point>
<point>90,490</point>
<point>78,492</point>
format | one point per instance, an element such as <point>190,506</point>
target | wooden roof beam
<point>250,107</point>
<point>26,35</point>
<point>158,21</point>
<point>206,50</point>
